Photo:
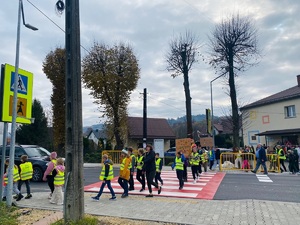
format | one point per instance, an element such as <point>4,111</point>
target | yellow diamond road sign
<point>24,104</point>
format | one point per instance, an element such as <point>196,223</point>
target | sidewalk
<point>181,211</point>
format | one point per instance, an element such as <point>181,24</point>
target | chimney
<point>298,79</point>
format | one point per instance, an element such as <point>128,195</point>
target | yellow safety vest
<point>204,157</point>
<point>123,164</point>
<point>16,175</point>
<point>140,162</point>
<point>279,154</point>
<point>179,164</point>
<point>26,171</point>
<point>130,165</point>
<point>195,159</point>
<point>110,173</point>
<point>54,165</point>
<point>157,162</point>
<point>59,179</point>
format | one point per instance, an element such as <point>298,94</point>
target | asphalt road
<point>285,187</point>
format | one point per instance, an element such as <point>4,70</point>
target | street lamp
<point>212,109</point>
<point>14,109</point>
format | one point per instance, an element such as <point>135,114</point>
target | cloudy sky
<point>148,26</point>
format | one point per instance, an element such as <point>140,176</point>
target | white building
<point>274,119</point>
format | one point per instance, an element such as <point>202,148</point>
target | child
<point>178,165</point>
<point>48,176</point>
<point>124,172</point>
<point>194,161</point>
<point>106,175</point>
<point>59,180</point>
<point>16,177</point>
<point>159,165</point>
<point>26,172</point>
<point>140,176</point>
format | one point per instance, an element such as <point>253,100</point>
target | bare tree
<point>180,59</point>
<point>233,48</point>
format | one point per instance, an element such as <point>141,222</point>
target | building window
<point>253,138</point>
<point>290,111</point>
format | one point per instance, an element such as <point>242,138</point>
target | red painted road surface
<point>205,188</point>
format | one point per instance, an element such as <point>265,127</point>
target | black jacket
<point>149,161</point>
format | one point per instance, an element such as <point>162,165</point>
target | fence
<point>246,162</point>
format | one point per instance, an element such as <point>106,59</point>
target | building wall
<point>134,143</point>
<point>266,118</point>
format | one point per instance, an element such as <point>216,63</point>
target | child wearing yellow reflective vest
<point>59,181</point>
<point>194,162</point>
<point>178,165</point>
<point>16,177</point>
<point>106,175</point>
<point>26,171</point>
<point>140,176</point>
<point>159,165</point>
<point>124,172</point>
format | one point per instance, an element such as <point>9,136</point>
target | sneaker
<point>253,171</point>
<point>95,199</point>
<point>149,196</point>
<point>28,196</point>
<point>16,196</point>
<point>180,188</point>
<point>59,203</point>
<point>20,196</point>
<point>50,196</point>
<point>159,190</point>
<point>4,199</point>
<point>194,182</point>
<point>52,202</point>
<point>142,190</point>
<point>113,198</point>
<point>124,196</point>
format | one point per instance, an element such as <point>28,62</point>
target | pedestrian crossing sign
<point>24,96</point>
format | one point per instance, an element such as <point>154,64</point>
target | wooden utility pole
<point>145,119</point>
<point>74,193</point>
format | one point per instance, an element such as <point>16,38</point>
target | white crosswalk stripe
<point>263,178</point>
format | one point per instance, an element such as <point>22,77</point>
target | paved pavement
<point>180,211</point>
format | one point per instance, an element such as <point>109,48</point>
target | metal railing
<point>247,162</point>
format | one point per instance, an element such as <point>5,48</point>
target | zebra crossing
<point>205,187</point>
<point>263,178</point>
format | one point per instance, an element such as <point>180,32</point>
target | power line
<point>53,22</point>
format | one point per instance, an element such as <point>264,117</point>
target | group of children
<point>127,169</point>
<point>23,173</point>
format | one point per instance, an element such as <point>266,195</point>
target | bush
<point>87,220</point>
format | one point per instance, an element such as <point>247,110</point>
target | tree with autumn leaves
<point>112,73</point>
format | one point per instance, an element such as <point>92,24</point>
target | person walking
<point>140,176</point>
<point>194,162</point>
<point>131,168</point>
<point>48,176</point>
<point>204,159</point>
<point>106,175</point>
<point>149,167</point>
<point>26,172</point>
<point>281,157</point>
<point>159,165</point>
<point>200,159</point>
<point>178,165</point>
<point>261,158</point>
<point>16,178</point>
<point>124,172</point>
<point>218,156</point>
<point>59,181</point>
<point>211,155</point>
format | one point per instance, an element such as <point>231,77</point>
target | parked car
<point>171,152</point>
<point>38,156</point>
<point>222,150</point>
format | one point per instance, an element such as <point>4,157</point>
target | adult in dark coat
<point>261,158</point>
<point>150,168</point>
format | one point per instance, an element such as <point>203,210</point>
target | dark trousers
<point>50,180</point>
<point>259,163</point>
<point>27,183</point>
<point>124,184</point>
<point>184,172</point>
<point>282,164</point>
<point>108,183</point>
<point>131,182</point>
<point>141,178</point>
<point>211,163</point>
<point>200,168</point>
<point>179,174</point>
<point>150,176</point>
<point>195,171</point>
<point>158,178</point>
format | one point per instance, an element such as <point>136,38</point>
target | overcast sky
<point>148,26</point>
